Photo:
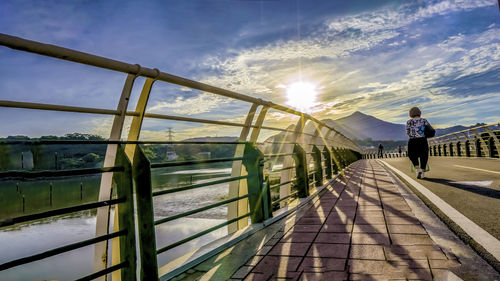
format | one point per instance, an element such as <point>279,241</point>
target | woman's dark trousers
<point>418,148</point>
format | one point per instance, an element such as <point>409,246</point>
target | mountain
<point>444,131</point>
<point>361,126</point>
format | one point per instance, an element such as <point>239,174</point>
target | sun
<point>301,95</point>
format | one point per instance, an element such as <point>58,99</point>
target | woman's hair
<point>415,112</point>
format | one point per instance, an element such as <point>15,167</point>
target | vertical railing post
<point>302,179</point>
<point>258,194</point>
<point>125,213</point>
<point>239,188</point>
<point>318,169</point>
<point>335,161</point>
<point>328,162</point>
<point>101,260</point>
<point>145,218</point>
<point>495,145</point>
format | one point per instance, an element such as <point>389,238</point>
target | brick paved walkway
<point>361,228</point>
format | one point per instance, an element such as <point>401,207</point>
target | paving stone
<point>290,249</point>
<point>369,208</point>
<point>339,218</point>
<point>299,237</point>
<point>366,266</point>
<point>411,239</point>
<point>263,251</point>
<point>397,252</point>
<point>326,276</point>
<point>410,263</point>
<point>406,229</point>
<point>443,275</point>
<point>370,238</point>
<point>336,228</point>
<point>257,277</point>
<point>307,228</point>
<point>311,221</point>
<point>369,220</point>
<point>399,213</point>
<point>350,211</point>
<point>328,250</point>
<point>279,234</point>
<point>315,213</point>
<point>285,276</point>
<point>310,264</point>
<point>443,264</point>
<point>242,272</point>
<point>368,213</point>
<point>370,228</point>
<point>254,260</point>
<point>333,238</point>
<point>370,277</point>
<point>402,220</point>
<point>408,273</point>
<point>370,252</point>
<point>276,264</point>
<point>272,241</point>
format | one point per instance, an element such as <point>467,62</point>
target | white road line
<point>483,170</point>
<point>486,240</point>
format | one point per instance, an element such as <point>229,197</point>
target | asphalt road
<point>472,186</point>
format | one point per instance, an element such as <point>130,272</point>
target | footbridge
<point>286,200</point>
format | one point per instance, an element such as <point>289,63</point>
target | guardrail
<point>481,141</point>
<point>373,154</point>
<point>311,145</point>
<point>261,205</point>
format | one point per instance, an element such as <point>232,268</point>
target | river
<point>37,236</point>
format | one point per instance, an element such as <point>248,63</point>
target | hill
<point>360,126</point>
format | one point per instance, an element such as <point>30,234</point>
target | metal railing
<point>373,154</point>
<point>124,268</point>
<point>481,141</point>
<point>248,189</point>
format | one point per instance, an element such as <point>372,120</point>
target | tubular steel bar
<point>194,120</point>
<point>54,107</point>
<point>185,214</point>
<point>104,271</point>
<point>293,194</point>
<point>18,43</point>
<point>56,142</point>
<point>184,163</point>
<point>61,211</point>
<point>280,184</point>
<point>282,169</point>
<point>185,240</point>
<point>277,154</point>
<point>60,250</point>
<point>59,173</point>
<point>173,190</point>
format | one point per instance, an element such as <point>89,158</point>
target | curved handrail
<point>54,51</point>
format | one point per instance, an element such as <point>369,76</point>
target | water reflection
<point>37,236</point>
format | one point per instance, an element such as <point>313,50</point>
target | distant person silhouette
<point>380,150</point>
<point>400,150</point>
<point>418,130</point>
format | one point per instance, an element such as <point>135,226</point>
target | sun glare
<point>301,95</point>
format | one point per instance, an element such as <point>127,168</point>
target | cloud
<point>371,62</point>
<point>202,103</point>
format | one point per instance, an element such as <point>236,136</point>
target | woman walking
<point>418,130</point>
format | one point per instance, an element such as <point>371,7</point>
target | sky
<point>377,57</point>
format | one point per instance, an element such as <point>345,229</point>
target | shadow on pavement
<point>471,188</point>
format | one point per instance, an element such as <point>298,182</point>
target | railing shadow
<point>489,192</point>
